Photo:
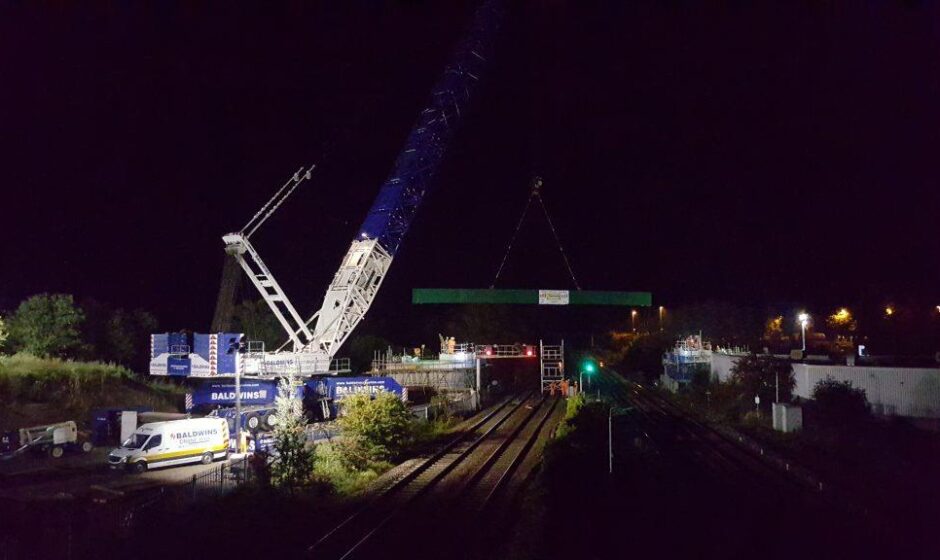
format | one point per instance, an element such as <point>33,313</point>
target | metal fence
<point>222,479</point>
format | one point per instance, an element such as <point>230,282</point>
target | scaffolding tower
<point>552,362</point>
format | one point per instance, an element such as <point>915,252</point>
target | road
<point>28,478</point>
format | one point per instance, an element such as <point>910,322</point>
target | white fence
<point>892,391</point>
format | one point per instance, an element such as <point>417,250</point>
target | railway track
<point>708,445</point>
<point>462,479</point>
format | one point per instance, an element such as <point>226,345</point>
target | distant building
<point>912,392</point>
<point>688,356</point>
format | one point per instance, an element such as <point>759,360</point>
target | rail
<point>348,537</point>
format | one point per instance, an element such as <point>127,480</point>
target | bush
<point>573,406</point>
<point>331,467</point>
<point>839,400</point>
<point>375,429</point>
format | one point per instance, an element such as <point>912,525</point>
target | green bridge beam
<point>431,296</point>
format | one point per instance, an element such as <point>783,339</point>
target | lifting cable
<point>535,194</point>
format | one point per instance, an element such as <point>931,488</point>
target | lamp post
<point>610,440</point>
<point>804,319</point>
<point>661,309</point>
<point>633,319</point>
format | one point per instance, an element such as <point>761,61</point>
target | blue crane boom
<point>361,272</point>
<point>407,184</point>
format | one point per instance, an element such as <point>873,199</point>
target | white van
<point>177,442</point>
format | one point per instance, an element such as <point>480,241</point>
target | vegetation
<point>839,400</point>
<point>255,320</point>
<point>573,406</point>
<point>3,333</point>
<point>759,375</point>
<point>376,429</point>
<point>116,335</point>
<point>30,378</point>
<point>47,325</point>
<point>294,460</point>
<point>330,466</point>
<point>54,325</point>
<point>35,390</point>
<point>639,354</point>
<point>361,348</point>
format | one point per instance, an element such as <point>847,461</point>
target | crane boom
<point>363,268</point>
<point>370,255</point>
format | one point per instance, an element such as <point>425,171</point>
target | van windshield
<point>136,441</point>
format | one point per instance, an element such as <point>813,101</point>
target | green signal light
<point>589,367</point>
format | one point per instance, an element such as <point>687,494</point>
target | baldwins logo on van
<point>194,434</point>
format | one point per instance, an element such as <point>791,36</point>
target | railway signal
<point>588,367</point>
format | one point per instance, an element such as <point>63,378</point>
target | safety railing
<point>222,479</point>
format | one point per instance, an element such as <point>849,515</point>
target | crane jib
<point>401,194</point>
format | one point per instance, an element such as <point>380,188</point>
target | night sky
<point>784,153</point>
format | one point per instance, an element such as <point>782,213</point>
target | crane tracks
<point>462,479</point>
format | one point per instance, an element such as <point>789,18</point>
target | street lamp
<point>804,319</point>
<point>633,319</point>
<point>661,309</point>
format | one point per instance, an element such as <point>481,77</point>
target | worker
<point>243,444</point>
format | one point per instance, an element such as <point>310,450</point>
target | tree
<point>639,356</point>
<point>839,400</point>
<point>255,320</point>
<point>294,461</point>
<point>116,335</point>
<point>374,428</point>
<point>722,323</point>
<point>47,325</point>
<point>773,329</point>
<point>361,349</point>
<point>758,375</point>
<point>484,323</point>
<point>127,335</point>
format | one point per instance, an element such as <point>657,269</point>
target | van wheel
<point>56,451</point>
<point>206,458</point>
<point>140,467</point>
<point>87,447</point>
<point>253,422</point>
<point>270,421</point>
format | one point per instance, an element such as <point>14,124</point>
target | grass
<point>37,390</point>
<point>28,378</point>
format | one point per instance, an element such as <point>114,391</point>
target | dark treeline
<point>55,325</point>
